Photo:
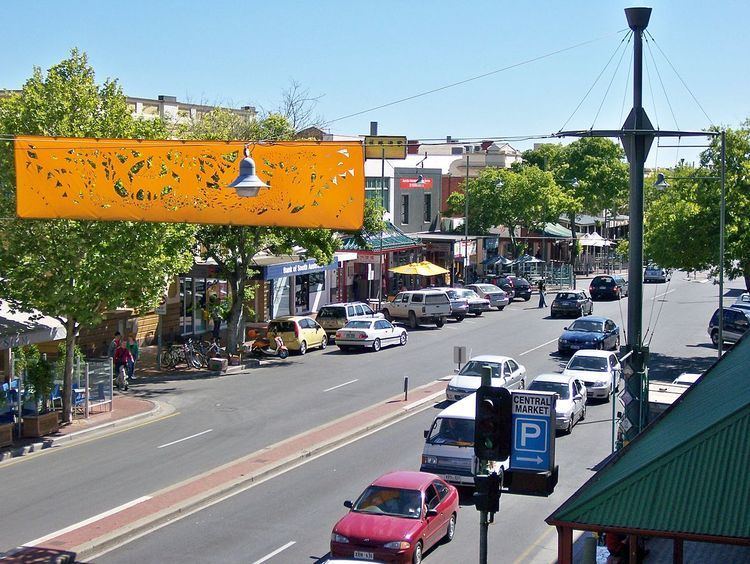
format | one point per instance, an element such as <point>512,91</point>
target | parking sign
<point>533,444</point>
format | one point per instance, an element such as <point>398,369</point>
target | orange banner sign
<point>310,184</point>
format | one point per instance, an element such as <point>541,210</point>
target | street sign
<point>383,146</point>
<point>626,397</point>
<point>161,309</point>
<point>533,424</point>
<point>626,424</point>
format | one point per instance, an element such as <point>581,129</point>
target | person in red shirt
<point>122,358</point>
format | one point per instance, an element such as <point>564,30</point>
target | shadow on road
<point>666,368</point>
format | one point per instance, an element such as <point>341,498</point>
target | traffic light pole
<point>483,466</point>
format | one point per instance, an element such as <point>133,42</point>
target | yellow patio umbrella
<point>424,268</point>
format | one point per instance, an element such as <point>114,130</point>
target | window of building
<point>457,151</point>
<point>373,192</point>
<point>427,207</point>
<point>404,209</point>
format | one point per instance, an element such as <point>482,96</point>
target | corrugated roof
<point>393,238</point>
<point>557,230</point>
<point>688,471</point>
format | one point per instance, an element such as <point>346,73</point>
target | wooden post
<point>632,549</point>
<point>564,545</point>
<point>677,551</point>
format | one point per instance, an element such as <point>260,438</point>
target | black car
<point>521,287</point>
<point>572,302</point>
<point>608,287</point>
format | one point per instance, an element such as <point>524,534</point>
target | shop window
<point>373,191</point>
<point>427,207</point>
<point>405,209</point>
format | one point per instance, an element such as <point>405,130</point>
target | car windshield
<point>591,363</point>
<point>390,501</point>
<point>358,325</point>
<point>560,388</point>
<point>436,299</point>
<point>450,431</point>
<point>586,325</point>
<point>474,368</point>
<point>332,313</point>
<point>452,294</point>
<point>488,288</point>
<point>471,294</point>
<point>281,327</point>
<point>567,296</point>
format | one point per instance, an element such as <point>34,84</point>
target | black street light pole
<point>636,136</point>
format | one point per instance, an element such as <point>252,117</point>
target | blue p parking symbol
<point>529,435</point>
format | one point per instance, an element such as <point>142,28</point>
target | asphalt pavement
<point>220,419</point>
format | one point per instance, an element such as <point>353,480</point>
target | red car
<point>396,519</point>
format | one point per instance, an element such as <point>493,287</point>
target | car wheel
<point>583,413</point>
<point>527,298</point>
<point>451,532</point>
<point>387,315</point>
<point>500,308</point>
<point>580,312</point>
<point>522,384</point>
<point>440,321</point>
<point>412,320</point>
<point>417,557</point>
<point>376,345</point>
<point>477,314</point>
<point>324,343</point>
<point>617,344</point>
<point>569,428</point>
<point>302,347</point>
<point>402,339</point>
<point>459,318</point>
<point>715,338</point>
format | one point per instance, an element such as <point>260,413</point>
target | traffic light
<point>492,424</point>
<point>487,493</point>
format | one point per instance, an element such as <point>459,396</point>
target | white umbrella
<point>20,328</point>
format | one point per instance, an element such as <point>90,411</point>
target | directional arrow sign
<point>533,441</point>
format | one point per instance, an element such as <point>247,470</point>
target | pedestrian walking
<point>135,353</point>
<point>122,360</point>
<point>542,289</point>
<point>114,344</point>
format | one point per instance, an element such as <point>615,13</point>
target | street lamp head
<point>574,183</point>
<point>661,181</point>
<point>499,184</point>
<point>247,184</point>
<point>420,179</point>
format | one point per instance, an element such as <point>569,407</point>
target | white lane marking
<point>88,521</point>
<point>340,385</point>
<point>664,294</point>
<point>275,552</point>
<point>186,438</point>
<point>539,347</point>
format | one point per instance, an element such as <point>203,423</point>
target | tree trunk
<point>67,391</point>
<point>746,272</point>
<point>234,323</point>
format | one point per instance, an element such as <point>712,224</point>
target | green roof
<point>688,472</point>
<point>393,238</point>
<point>557,230</point>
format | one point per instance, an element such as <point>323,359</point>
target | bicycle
<point>206,350</point>
<point>177,354</point>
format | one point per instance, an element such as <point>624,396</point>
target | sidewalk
<point>117,527</point>
<point>126,410</point>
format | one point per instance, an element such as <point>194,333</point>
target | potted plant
<point>40,381</point>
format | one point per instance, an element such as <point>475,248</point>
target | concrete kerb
<point>205,499</point>
<point>159,409</point>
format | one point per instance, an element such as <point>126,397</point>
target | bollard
<point>406,388</point>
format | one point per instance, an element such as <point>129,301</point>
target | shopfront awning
<point>393,239</point>
<point>21,328</point>
<point>557,230</point>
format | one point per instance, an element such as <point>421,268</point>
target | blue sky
<point>357,55</point>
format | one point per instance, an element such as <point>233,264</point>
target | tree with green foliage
<point>523,198</point>
<point>78,270</point>
<point>233,247</point>
<point>682,220</point>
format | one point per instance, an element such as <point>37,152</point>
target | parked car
<point>397,518</point>
<point>570,407</point>
<point>521,287</point>
<point>477,305</point>
<point>655,273</point>
<point>497,297</point>
<point>506,373</point>
<point>589,332</point>
<point>370,333</point>
<point>298,333</point>
<point>686,379</point>
<point>736,322</point>
<point>502,282</point>
<point>742,302</point>
<point>419,306</point>
<point>596,369</point>
<point>608,287</point>
<point>572,302</point>
<point>459,304</point>
<point>333,317</point>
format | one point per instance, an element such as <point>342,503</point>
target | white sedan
<point>506,373</point>
<point>369,333</point>
<point>596,369</point>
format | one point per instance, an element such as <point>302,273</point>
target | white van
<point>449,445</point>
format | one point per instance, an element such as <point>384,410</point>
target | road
<point>220,419</point>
